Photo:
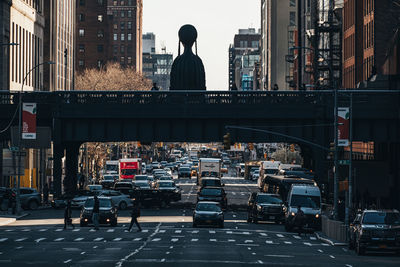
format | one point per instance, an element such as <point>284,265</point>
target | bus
<point>280,184</point>
<point>129,168</point>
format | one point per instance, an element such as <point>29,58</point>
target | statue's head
<point>187,35</point>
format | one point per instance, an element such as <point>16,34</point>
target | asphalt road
<point>168,239</point>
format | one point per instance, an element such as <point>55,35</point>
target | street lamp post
<point>18,202</point>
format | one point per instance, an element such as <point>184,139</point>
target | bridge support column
<point>58,154</point>
<point>71,168</point>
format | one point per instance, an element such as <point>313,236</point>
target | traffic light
<point>227,141</point>
<point>331,150</point>
<point>291,147</point>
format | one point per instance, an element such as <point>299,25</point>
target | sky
<point>217,22</point>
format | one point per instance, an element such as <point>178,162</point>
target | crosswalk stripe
<point>117,239</point>
<point>313,238</point>
<point>231,240</point>
<point>178,231</point>
<point>269,241</point>
<point>213,240</point>
<point>21,239</point>
<point>288,242</point>
<point>58,230</point>
<point>76,230</point>
<point>110,230</point>
<point>174,239</point>
<point>194,240</point>
<point>211,232</point>
<point>279,235</point>
<point>263,234</point>
<point>137,239</point>
<point>248,241</point>
<point>39,239</point>
<point>78,239</point>
<point>3,239</point>
<point>59,239</point>
<point>156,239</point>
<point>161,231</point>
<point>43,230</point>
<point>307,244</point>
<point>98,239</point>
<point>297,237</point>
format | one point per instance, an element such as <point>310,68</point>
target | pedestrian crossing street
<point>167,235</point>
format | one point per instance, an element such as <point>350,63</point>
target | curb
<point>328,241</point>
<point>7,221</point>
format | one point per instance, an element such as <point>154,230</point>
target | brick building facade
<point>109,31</point>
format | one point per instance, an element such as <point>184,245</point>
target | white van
<point>308,197</point>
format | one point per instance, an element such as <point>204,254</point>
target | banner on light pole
<point>343,127</point>
<point>29,121</point>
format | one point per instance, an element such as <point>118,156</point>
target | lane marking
<point>58,230</point>
<point>43,230</point>
<point>348,265</point>
<point>21,239</point>
<point>288,242</point>
<point>234,216</point>
<point>229,232</point>
<point>178,231</point>
<point>18,247</point>
<point>137,239</point>
<point>161,231</point>
<point>325,244</point>
<point>39,239</point>
<point>194,240</point>
<point>269,242</point>
<point>307,244</point>
<point>320,250</point>
<point>174,239</point>
<point>9,230</point>
<point>79,239</point>
<point>92,230</point>
<point>59,239</point>
<point>260,262</point>
<point>280,256</point>
<point>94,246</point>
<point>76,230</point>
<point>213,240</point>
<point>67,261</point>
<point>98,239</point>
<point>3,239</point>
<point>263,234</point>
<point>297,237</point>
<point>245,233</point>
<point>231,240</point>
<point>156,239</point>
<point>110,230</point>
<point>248,241</point>
<point>83,252</point>
<point>162,260</point>
<point>332,256</point>
<point>279,235</point>
<point>145,231</point>
<point>211,232</point>
<point>26,230</point>
<point>313,238</point>
<point>195,232</point>
<point>167,252</point>
<point>117,239</point>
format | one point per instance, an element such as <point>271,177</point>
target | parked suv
<point>375,230</point>
<point>263,207</point>
<point>30,198</point>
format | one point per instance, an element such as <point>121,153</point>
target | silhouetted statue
<point>187,71</point>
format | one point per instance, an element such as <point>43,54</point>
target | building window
<point>129,36</point>
<point>129,13</point>
<point>292,3</point>
<point>122,2</point>
<point>115,49</point>
<point>100,48</point>
<point>254,44</point>
<point>115,14</point>
<point>129,49</point>
<point>81,63</point>
<point>115,26</point>
<point>99,63</point>
<point>115,37</point>
<point>100,33</point>
<point>122,14</point>
<point>122,36</point>
<point>100,18</point>
<point>122,25</point>
<point>81,2</point>
<point>129,2</point>
<point>129,60</point>
<point>81,32</point>
<point>81,17</point>
<point>243,43</point>
<point>122,60</point>
<point>115,2</point>
<point>122,49</point>
<point>129,25</point>
<point>81,48</point>
<point>292,19</point>
<point>100,2</point>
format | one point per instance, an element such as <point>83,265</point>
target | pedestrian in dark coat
<point>68,215</point>
<point>46,193</point>
<point>134,215</point>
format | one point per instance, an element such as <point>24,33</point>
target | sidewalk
<point>328,240</point>
<point>9,218</point>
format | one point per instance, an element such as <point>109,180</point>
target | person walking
<point>155,87</point>
<point>68,215</point>
<point>46,193</point>
<point>134,215</point>
<point>96,212</point>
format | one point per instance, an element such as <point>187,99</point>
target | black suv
<point>375,230</point>
<point>184,172</point>
<point>108,212</point>
<point>215,194</point>
<point>265,207</point>
<point>210,181</point>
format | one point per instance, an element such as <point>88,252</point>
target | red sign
<point>343,127</point>
<point>28,120</point>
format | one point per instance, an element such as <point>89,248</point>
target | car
<point>224,169</point>
<point>155,165</point>
<point>168,170</point>
<point>184,172</point>
<point>108,180</point>
<point>255,175</point>
<point>265,207</point>
<point>210,182</point>
<point>163,164</point>
<point>94,187</point>
<point>30,198</point>
<point>108,212</point>
<point>377,230</point>
<point>125,187</point>
<point>226,161</point>
<point>208,213</point>
<point>169,190</point>
<point>79,200</point>
<point>166,178</point>
<point>141,178</point>
<point>119,199</point>
<point>61,201</point>
<point>142,184</point>
<point>215,194</point>
<point>194,171</point>
<point>158,174</point>
<point>149,168</point>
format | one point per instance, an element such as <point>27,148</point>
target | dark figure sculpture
<point>188,70</point>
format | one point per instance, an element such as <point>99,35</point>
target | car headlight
<point>259,208</point>
<point>284,209</point>
<point>317,216</point>
<point>293,214</point>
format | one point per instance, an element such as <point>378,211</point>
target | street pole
<point>351,157</point>
<point>17,197</point>
<point>335,169</point>
<point>299,44</point>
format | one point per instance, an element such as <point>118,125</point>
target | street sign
<point>344,162</point>
<point>14,148</point>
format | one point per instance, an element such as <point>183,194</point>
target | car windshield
<point>211,182</point>
<point>208,207</point>
<point>305,201</point>
<point>381,218</point>
<point>141,178</point>
<point>166,178</point>
<point>142,184</point>
<point>270,171</point>
<point>112,168</point>
<point>109,178</point>
<point>269,199</point>
<point>123,185</point>
<point>104,203</point>
<point>211,192</point>
<point>209,174</point>
<point>129,171</point>
<point>184,169</point>
<point>167,184</point>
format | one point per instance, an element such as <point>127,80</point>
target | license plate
<point>272,217</point>
<point>382,246</point>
